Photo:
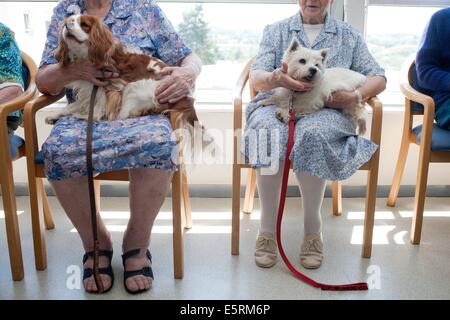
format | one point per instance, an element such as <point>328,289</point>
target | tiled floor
<point>397,269</point>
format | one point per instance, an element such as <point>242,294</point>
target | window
<point>393,33</point>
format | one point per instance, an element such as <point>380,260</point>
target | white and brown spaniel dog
<point>85,37</point>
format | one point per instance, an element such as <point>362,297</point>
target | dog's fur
<point>85,37</point>
<point>309,65</point>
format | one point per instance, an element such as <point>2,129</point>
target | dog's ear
<point>62,52</point>
<point>294,45</point>
<point>101,44</point>
<point>324,54</point>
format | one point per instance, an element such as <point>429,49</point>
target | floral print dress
<point>144,142</point>
<point>325,143</point>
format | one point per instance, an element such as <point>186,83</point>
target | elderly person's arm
<point>430,71</point>
<point>9,93</point>
<point>364,63</point>
<point>51,79</point>
<point>181,79</point>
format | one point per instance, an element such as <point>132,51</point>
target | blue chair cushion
<point>38,159</point>
<point>440,138</point>
<point>15,142</point>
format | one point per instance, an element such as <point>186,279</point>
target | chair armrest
<point>412,94</point>
<point>29,121</point>
<point>377,117</point>
<point>17,103</point>
<point>237,93</point>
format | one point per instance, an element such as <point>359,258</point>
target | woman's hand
<point>85,70</point>
<point>280,78</point>
<point>342,99</point>
<point>177,85</point>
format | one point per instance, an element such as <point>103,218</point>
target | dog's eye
<point>317,65</point>
<point>302,61</point>
<point>84,25</point>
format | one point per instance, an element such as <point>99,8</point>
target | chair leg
<point>40,253</point>
<point>186,200</point>
<point>48,219</point>
<point>250,191</point>
<point>336,191</point>
<point>178,263</point>
<point>12,226</point>
<point>235,207</point>
<point>369,220</point>
<point>419,200</point>
<point>400,167</point>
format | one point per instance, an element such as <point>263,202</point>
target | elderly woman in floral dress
<point>143,145</point>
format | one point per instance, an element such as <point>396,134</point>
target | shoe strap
<point>135,252</point>
<point>104,253</point>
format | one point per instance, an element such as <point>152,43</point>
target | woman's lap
<point>325,143</point>
<point>144,142</point>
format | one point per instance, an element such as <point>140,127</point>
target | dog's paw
<point>362,126</point>
<point>153,66</point>
<point>264,102</point>
<point>51,119</point>
<point>282,115</point>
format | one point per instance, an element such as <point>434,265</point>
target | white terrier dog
<point>309,65</point>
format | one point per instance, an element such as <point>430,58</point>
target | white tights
<point>312,190</point>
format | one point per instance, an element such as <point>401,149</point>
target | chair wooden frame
<point>6,171</point>
<point>238,163</point>
<point>180,189</point>
<point>426,155</point>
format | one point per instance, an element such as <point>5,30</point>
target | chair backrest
<point>414,82</point>
<point>29,70</point>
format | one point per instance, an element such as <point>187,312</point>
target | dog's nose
<point>312,71</point>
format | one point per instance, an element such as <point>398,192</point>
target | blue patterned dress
<point>325,143</point>
<point>145,142</point>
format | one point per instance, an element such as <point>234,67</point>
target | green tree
<point>195,31</point>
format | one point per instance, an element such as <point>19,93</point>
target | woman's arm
<point>9,93</point>
<point>373,86</point>
<point>262,80</point>
<point>180,80</point>
<point>51,79</point>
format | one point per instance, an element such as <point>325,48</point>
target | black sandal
<point>88,272</point>
<point>145,271</point>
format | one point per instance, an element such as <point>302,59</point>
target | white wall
<point>221,174</point>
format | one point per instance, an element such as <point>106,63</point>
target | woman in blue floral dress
<point>143,145</point>
<point>326,146</point>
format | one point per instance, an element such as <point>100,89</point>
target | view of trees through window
<point>227,35</point>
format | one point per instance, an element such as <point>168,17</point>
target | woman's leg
<point>312,189</point>
<point>74,198</point>
<point>269,186</point>
<point>148,189</point>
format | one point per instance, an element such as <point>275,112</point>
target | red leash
<point>298,274</point>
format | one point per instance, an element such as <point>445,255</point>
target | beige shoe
<point>311,252</point>
<point>265,250</point>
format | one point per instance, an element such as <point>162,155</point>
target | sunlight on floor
<point>409,214</point>
<point>381,235</point>
<point>379,215</point>
<point>2,213</point>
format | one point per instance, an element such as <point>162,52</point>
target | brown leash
<point>90,175</point>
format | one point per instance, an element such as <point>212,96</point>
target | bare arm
<point>9,93</point>
<point>263,81</point>
<point>180,80</point>
<point>373,86</point>
<point>51,79</point>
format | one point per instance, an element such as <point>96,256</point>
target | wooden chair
<point>239,163</point>
<point>180,191</point>
<point>433,142</point>
<point>6,168</point>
